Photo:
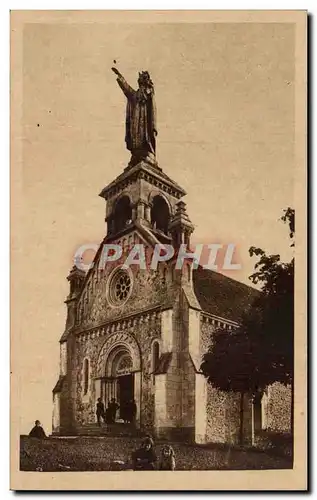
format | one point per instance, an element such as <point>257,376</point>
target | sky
<point>225,100</point>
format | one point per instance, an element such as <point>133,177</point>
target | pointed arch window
<point>160,214</point>
<point>122,213</point>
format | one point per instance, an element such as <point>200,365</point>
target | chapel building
<point>135,334</point>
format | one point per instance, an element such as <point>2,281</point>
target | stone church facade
<point>141,334</point>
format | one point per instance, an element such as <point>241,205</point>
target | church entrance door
<point>126,394</point>
<point>119,372</point>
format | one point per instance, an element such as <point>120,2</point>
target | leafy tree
<point>275,331</point>
<point>260,351</point>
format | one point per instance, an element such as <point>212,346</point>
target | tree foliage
<point>260,351</point>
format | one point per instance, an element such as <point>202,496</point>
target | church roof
<point>222,296</point>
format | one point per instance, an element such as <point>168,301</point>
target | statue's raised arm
<point>123,84</point>
<point>141,127</point>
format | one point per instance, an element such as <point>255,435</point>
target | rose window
<point>120,287</point>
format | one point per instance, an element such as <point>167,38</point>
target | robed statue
<point>141,128</point>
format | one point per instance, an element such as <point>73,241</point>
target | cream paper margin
<point>179,480</point>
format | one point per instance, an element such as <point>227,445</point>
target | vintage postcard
<point>158,278</point>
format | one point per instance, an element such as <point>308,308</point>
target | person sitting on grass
<point>167,458</point>
<point>144,458</point>
<point>37,431</point>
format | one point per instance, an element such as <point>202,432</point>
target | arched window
<point>86,376</point>
<point>122,213</point>
<point>155,356</point>
<point>160,214</point>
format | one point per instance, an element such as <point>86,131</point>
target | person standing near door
<point>113,410</point>
<point>100,412</point>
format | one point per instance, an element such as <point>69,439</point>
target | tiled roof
<point>222,296</point>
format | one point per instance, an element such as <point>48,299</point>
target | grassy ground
<point>96,454</point>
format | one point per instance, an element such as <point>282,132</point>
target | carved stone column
<point>147,213</point>
<point>140,209</point>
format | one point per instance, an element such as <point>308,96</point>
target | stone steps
<point>114,430</point>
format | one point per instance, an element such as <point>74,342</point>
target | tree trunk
<point>241,418</point>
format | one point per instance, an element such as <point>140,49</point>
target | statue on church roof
<point>141,131</point>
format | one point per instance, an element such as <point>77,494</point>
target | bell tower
<point>142,196</point>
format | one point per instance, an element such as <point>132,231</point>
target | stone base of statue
<point>142,156</point>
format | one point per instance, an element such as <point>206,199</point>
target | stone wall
<point>223,417</point>
<point>188,394</point>
<point>150,288</point>
<point>89,346</point>
<point>194,340</point>
<point>63,358</point>
<point>206,331</point>
<point>216,415</point>
<point>223,409</point>
<point>189,329</point>
<point>65,410</point>
<point>167,330</point>
<point>200,408</point>
<point>216,401</point>
<point>207,326</point>
<point>173,396</point>
<point>279,408</point>
<point>160,401</point>
<point>56,413</point>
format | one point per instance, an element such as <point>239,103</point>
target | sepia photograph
<point>158,286</point>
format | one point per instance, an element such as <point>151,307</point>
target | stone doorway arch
<point>119,373</point>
